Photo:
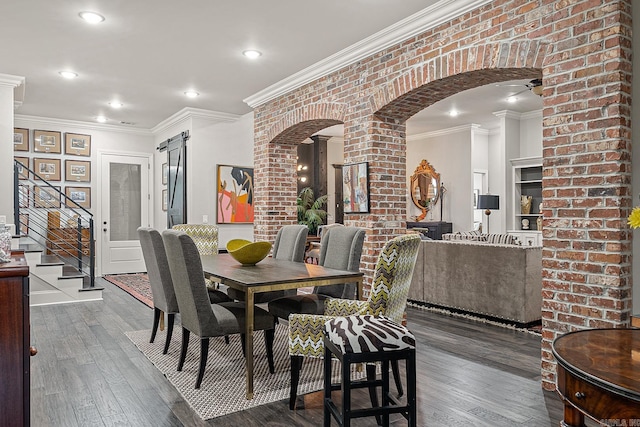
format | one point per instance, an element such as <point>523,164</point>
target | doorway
<point>124,199</point>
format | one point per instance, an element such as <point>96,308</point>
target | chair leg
<point>396,377</point>
<point>204,354</point>
<point>269,334</point>
<point>373,395</point>
<point>183,350</point>
<point>226,339</point>
<point>296,366</point>
<point>244,352</point>
<point>156,320</point>
<point>171,319</point>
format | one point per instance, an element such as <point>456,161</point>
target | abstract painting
<point>234,194</point>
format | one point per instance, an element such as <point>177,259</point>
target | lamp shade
<point>488,201</point>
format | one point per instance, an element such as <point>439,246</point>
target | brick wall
<point>582,51</point>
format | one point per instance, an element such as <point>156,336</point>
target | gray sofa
<point>492,280</point>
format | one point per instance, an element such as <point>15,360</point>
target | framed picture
<point>234,194</point>
<point>79,195</point>
<point>165,173</point>
<point>355,188</point>
<point>77,144</point>
<point>20,139</point>
<point>46,141</point>
<point>48,169</point>
<point>24,163</point>
<point>46,197</point>
<point>164,200</point>
<point>24,223</point>
<point>77,170</point>
<point>23,196</point>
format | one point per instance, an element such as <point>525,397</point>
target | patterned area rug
<point>136,285</point>
<point>223,387</point>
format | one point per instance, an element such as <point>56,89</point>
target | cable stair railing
<point>55,222</point>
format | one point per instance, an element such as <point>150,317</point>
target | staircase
<point>56,235</point>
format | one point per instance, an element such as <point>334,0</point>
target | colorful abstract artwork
<point>355,188</point>
<point>234,194</point>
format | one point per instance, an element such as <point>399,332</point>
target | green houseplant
<point>310,210</point>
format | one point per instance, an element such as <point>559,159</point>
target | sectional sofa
<point>497,281</point>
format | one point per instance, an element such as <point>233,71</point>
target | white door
<point>124,208</point>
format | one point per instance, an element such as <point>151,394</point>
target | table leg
<point>249,313</point>
<point>572,417</point>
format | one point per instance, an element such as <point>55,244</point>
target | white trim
<point>49,121</point>
<point>507,114</point>
<point>473,127</point>
<point>531,115</point>
<point>430,17</point>
<point>11,80</point>
<point>194,113</point>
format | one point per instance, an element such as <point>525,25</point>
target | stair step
<point>30,247</point>
<point>50,260</point>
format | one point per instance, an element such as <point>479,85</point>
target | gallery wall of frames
<point>58,158</point>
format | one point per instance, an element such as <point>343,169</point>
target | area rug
<point>223,386</point>
<point>136,285</point>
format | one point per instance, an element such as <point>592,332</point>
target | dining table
<point>269,275</point>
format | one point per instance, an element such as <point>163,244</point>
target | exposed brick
<point>581,49</point>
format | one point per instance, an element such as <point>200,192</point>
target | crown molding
<point>194,113</point>
<point>11,80</point>
<point>430,17</point>
<point>473,127</point>
<point>53,122</point>
<point>507,114</point>
<point>535,114</point>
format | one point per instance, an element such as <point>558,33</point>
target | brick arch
<point>456,71</point>
<point>303,122</point>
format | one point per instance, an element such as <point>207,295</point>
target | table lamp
<point>488,202</point>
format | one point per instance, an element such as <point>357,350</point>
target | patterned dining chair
<point>388,297</point>
<point>341,248</point>
<point>289,245</point>
<point>205,236</point>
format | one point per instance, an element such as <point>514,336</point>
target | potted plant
<point>310,210</point>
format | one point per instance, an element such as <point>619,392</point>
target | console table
<point>433,230</point>
<point>599,375</point>
<point>14,342</point>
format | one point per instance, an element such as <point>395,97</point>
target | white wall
<point>531,134</point>
<point>449,152</point>
<point>211,143</point>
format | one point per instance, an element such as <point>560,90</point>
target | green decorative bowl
<point>246,252</point>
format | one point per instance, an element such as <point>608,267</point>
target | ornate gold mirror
<point>425,188</point>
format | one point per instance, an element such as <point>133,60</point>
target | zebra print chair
<point>388,297</point>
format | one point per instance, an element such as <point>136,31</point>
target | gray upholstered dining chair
<point>164,297</point>
<point>289,245</point>
<point>197,314</point>
<point>340,248</point>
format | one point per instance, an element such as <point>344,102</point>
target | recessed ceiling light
<point>116,104</point>
<point>68,74</point>
<point>101,119</point>
<point>252,54</point>
<point>91,17</point>
<point>512,99</point>
<point>453,113</point>
<point>191,93</point>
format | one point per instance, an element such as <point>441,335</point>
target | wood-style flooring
<point>88,373</point>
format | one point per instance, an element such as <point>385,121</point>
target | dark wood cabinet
<point>14,342</point>
<point>433,230</point>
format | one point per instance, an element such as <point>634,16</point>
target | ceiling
<point>146,54</point>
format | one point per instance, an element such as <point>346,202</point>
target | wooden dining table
<point>268,275</point>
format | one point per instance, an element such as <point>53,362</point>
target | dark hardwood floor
<point>88,373</point>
